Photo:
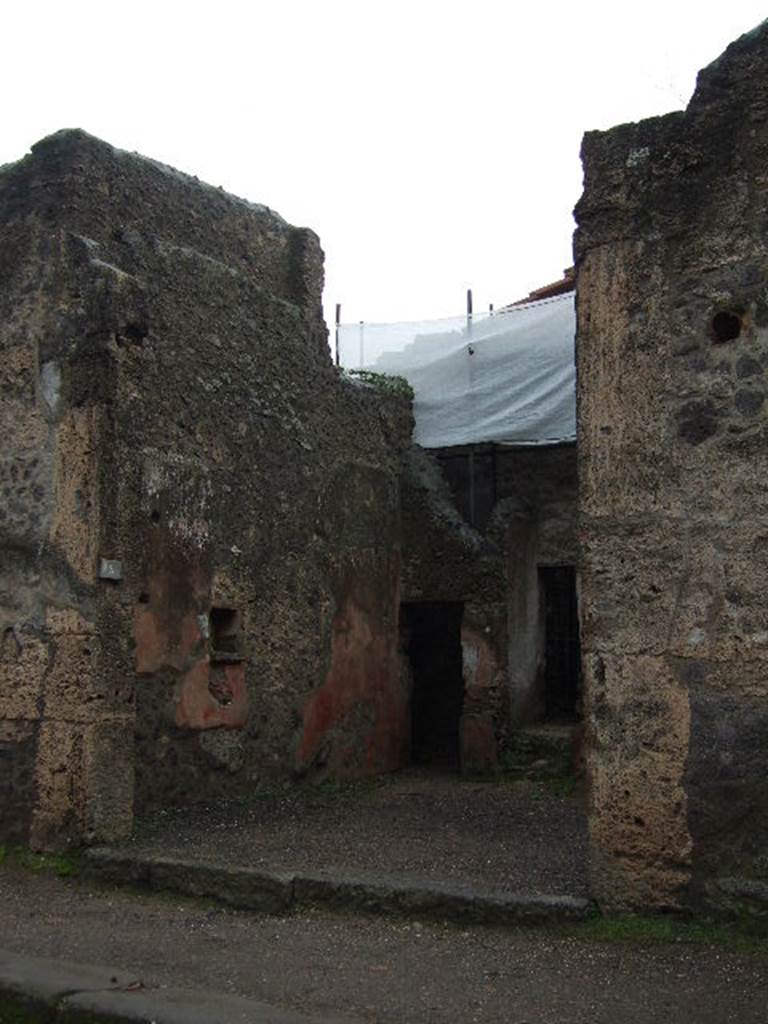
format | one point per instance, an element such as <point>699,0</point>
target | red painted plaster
<point>155,648</point>
<point>480,664</point>
<point>166,631</point>
<point>478,744</point>
<point>358,721</point>
<point>477,736</point>
<point>198,708</point>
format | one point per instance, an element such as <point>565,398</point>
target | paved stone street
<point>371,969</point>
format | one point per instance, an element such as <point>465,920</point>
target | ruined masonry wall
<point>673,461</point>
<point>168,404</point>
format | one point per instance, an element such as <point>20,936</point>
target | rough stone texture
<point>671,257</point>
<point>168,403</point>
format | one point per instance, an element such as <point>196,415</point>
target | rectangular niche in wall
<point>226,634</point>
<point>562,644</point>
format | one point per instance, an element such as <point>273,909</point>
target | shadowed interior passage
<point>432,642</point>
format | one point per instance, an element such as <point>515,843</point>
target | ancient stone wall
<point>200,545</point>
<point>672,258</point>
<point>65,721</point>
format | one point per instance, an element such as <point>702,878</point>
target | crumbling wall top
<point>666,170</point>
<point>74,181</point>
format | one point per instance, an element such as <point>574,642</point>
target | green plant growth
<point>742,935</point>
<point>62,864</point>
<point>15,1011</point>
<point>389,384</point>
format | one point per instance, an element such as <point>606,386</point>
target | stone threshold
<point>277,893</point>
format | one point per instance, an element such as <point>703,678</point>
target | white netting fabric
<point>507,377</point>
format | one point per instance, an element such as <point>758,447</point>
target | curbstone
<point>39,985</point>
<point>178,1006</point>
<point>270,892</point>
<point>243,887</point>
<point>60,992</point>
<point>436,900</point>
<point>104,863</point>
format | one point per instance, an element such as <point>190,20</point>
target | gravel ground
<point>519,836</point>
<point>384,971</point>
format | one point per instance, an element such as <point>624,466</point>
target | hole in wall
<point>726,326</point>
<point>143,597</point>
<point>225,631</point>
<point>136,331</point>
<point>155,515</point>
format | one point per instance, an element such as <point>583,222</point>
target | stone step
<point>272,892</point>
<point>546,749</point>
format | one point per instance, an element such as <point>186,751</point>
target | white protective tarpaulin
<point>507,378</point>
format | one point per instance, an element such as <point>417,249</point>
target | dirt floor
<point>519,836</point>
<point>385,971</point>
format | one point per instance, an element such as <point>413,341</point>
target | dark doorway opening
<point>431,638</point>
<point>562,647</point>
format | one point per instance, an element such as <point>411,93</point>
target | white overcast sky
<point>434,146</point>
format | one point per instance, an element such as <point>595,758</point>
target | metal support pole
<point>338,321</point>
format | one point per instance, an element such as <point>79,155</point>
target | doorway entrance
<point>431,639</point>
<point>562,647</point>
